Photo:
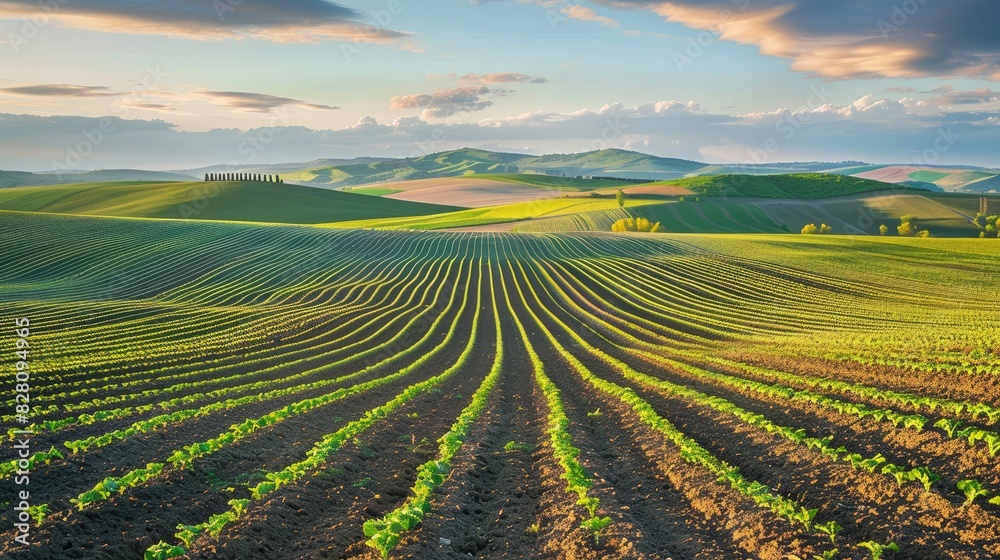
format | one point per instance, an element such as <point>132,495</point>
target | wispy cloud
<point>447,102</point>
<point>974,97</point>
<point>60,90</point>
<point>256,102</point>
<point>501,78</point>
<point>271,20</point>
<point>583,13</point>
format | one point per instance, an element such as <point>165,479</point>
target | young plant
<point>879,550</point>
<point>924,476</point>
<point>163,551</point>
<point>38,513</point>
<point>806,517</point>
<point>828,555</point>
<point>513,446</point>
<point>595,525</point>
<point>830,529</point>
<point>972,490</point>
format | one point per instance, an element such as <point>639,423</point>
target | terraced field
<point>232,390</point>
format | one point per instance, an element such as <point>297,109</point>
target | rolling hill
<point>795,185</point>
<point>10,179</point>
<point>501,214</point>
<point>476,191</point>
<point>467,161</point>
<point>946,178</point>
<point>608,163</point>
<point>225,200</point>
<point>944,215</point>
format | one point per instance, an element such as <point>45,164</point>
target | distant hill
<point>224,200</point>
<point>945,178</point>
<point>445,164</point>
<point>467,161</point>
<point>334,173</point>
<point>271,169</point>
<point>612,163</point>
<point>10,179</point>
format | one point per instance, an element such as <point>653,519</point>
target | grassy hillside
<point>236,200</point>
<point>674,217</point>
<point>493,214</point>
<point>796,185</point>
<point>944,215</point>
<point>557,183</point>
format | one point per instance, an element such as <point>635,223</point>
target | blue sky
<point>188,82</point>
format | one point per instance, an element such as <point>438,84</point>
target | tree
<point>825,229</point>
<point>620,197</point>
<point>809,229</point>
<point>882,229</point>
<point>906,229</point>
<point>923,233</point>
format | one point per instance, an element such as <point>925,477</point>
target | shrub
<point>636,224</point>
<point>882,229</point>
<point>810,229</point>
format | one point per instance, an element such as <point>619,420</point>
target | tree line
<point>243,177</point>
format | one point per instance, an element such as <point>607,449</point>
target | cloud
<point>583,13</point>
<point>158,107</point>
<point>975,97</point>
<point>570,10</point>
<point>447,102</point>
<point>858,39</point>
<point>256,102</point>
<point>498,78</point>
<point>60,90</point>
<point>271,20</point>
<point>870,129</point>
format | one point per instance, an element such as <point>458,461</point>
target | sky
<point>90,84</point>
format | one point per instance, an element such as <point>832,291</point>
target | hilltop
<point>223,200</point>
